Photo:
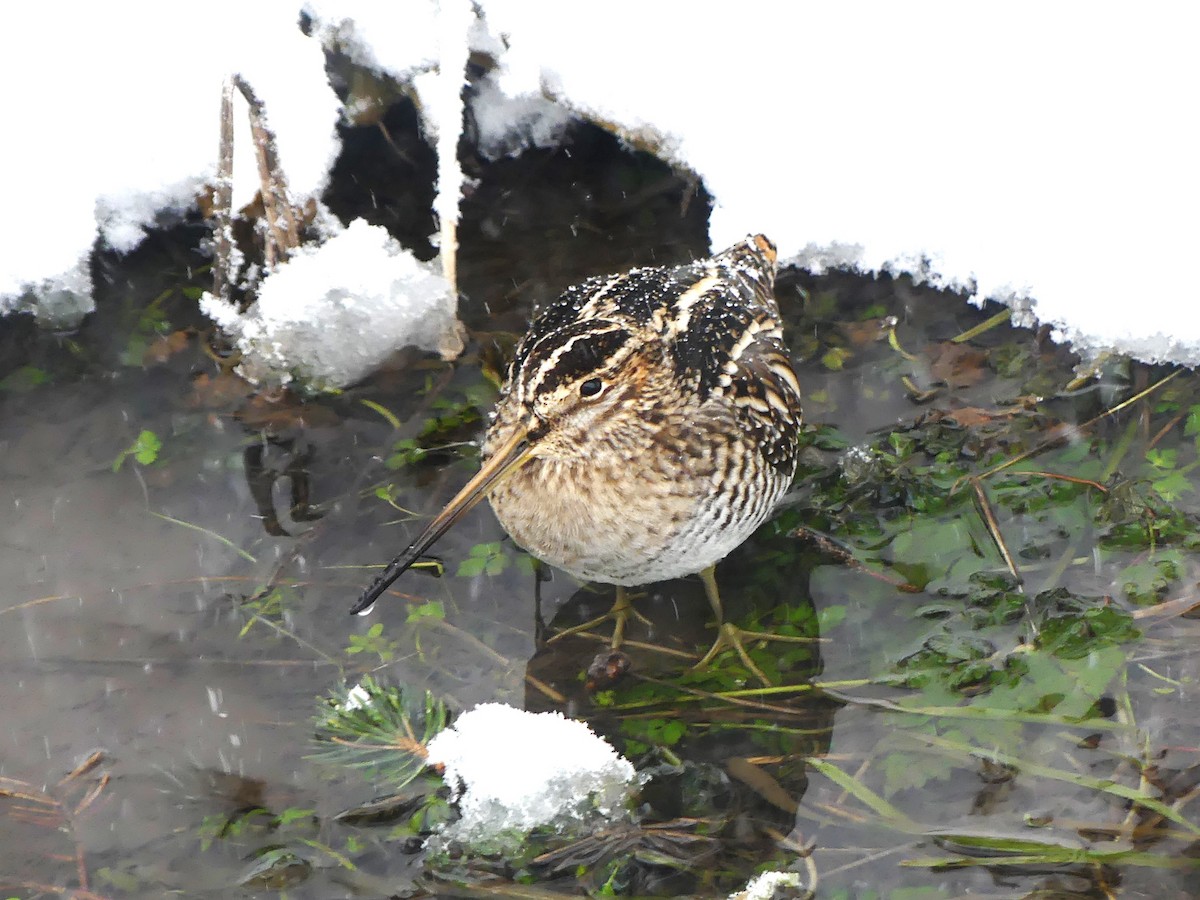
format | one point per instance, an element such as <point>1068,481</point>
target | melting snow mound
<point>770,885</point>
<point>512,770</point>
<point>333,313</point>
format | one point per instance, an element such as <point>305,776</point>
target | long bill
<point>507,459</point>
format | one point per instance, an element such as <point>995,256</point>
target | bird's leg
<point>622,609</point>
<point>729,635</point>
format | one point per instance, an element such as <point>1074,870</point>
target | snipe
<point>647,426</point>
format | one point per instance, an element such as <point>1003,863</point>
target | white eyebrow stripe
<point>535,378</point>
<point>683,304</point>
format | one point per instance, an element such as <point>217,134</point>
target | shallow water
<point>180,619</point>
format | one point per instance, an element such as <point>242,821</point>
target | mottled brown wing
<point>725,338</point>
<point>766,394</point>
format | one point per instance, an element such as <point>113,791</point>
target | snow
<point>442,103</point>
<point>507,125</point>
<point>1039,154</point>
<point>356,698</point>
<point>400,38</point>
<point>111,114</point>
<point>334,312</point>
<point>510,769</point>
<point>1024,150</point>
<point>764,886</point>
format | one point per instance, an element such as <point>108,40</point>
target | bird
<point>647,425</point>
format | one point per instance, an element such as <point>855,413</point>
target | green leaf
<point>387,415</point>
<point>830,616</point>
<point>834,359</point>
<point>292,814</point>
<point>406,452</point>
<point>24,379</point>
<point>488,558</point>
<point>1192,427</point>
<point>905,771</point>
<point>1161,459</point>
<point>145,448</point>
<point>1173,486</point>
<point>471,566</point>
<point>432,609</point>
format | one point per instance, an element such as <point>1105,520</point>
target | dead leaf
<point>973,416</point>
<point>761,782</point>
<point>278,412</point>
<point>859,334</point>
<point>164,347</point>
<point>956,365</point>
<point>218,391</point>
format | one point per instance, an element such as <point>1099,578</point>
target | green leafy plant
<point>484,559</point>
<point>379,729</point>
<point>145,325</point>
<point>457,414</point>
<point>406,452</point>
<point>373,641</point>
<point>24,379</point>
<point>431,609</point>
<point>144,449</point>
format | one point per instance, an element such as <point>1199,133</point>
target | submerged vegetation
<point>1013,577</point>
<point>987,567</point>
<point>1004,578</point>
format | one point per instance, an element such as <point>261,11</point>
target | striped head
<point>592,380</point>
<point>612,353</point>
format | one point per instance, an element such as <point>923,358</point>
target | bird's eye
<point>591,387</point>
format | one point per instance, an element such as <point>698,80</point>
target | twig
<point>1087,481</point>
<point>1162,432</point>
<point>223,199</point>
<point>1168,609</point>
<point>998,319</point>
<point>993,527</point>
<point>212,534</point>
<point>722,698</point>
<point>1058,439</point>
<point>90,797</point>
<point>283,232</point>
<point>93,760</point>
<point>845,555</point>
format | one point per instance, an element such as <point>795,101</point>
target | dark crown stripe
<point>593,348</point>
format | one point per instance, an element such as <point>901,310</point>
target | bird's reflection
<point>726,769</point>
<point>267,461</point>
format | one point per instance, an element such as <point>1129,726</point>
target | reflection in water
<point>718,792</point>
<point>263,470</point>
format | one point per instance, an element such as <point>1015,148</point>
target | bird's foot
<point>622,610</point>
<point>729,636</point>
